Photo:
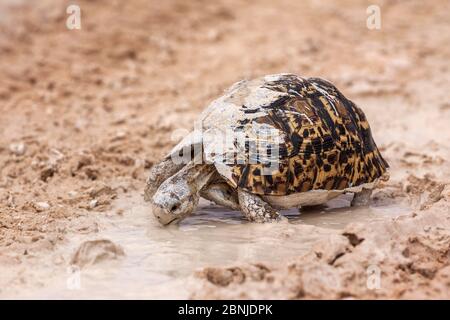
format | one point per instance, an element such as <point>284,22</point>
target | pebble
<point>17,148</point>
<point>120,134</point>
<point>93,203</point>
<point>41,206</point>
<point>72,194</point>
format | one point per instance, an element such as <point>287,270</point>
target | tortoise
<point>275,142</point>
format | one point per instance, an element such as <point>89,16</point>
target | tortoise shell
<point>324,140</point>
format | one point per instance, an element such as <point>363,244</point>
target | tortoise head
<point>174,201</point>
<point>177,197</point>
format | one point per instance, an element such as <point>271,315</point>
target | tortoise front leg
<point>221,194</point>
<point>158,174</point>
<point>256,209</point>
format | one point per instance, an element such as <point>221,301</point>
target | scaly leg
<point>256,209</point>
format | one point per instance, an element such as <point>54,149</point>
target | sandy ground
<point>85,113</point>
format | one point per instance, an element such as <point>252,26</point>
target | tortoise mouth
<point>169,222</point>
<point>163,216</point>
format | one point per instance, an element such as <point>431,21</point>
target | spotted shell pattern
<point>327,142</point>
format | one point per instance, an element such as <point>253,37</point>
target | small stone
<point>120,134</point>
<point>93,203</point>
<point>41,206</point>
<point>17,148</point>
<point>55,156</point>
<point>47,173</point>
<point>72,194</point>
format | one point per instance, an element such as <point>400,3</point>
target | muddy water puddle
<point>159,259</point>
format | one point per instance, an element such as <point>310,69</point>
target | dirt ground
<point>85,113</point>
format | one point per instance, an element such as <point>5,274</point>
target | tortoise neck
<point>199,175</point>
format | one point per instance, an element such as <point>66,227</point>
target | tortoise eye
<point>174,207</point>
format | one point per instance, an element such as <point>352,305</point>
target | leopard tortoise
<point>275,142</point>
